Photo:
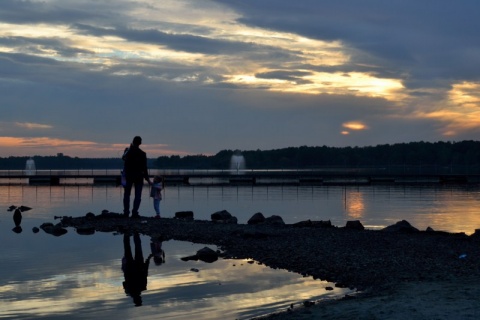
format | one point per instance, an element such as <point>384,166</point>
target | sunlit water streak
<point>80,276</point>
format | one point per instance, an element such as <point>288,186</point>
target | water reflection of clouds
<point>229,289</point>
<point>239,287</point>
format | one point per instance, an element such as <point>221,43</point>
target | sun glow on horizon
<point>45,146</point>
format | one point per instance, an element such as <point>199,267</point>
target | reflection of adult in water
<point>135,269</point>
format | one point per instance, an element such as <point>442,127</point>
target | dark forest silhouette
<point>463,153</point>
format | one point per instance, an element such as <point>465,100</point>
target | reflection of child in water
<point>157,251</point>
<point>156,194</point>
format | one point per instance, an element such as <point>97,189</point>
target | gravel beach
<point>401,273</point>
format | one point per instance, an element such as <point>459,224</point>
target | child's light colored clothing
<point>156,194</point>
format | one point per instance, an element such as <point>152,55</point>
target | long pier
<point>325,176</point>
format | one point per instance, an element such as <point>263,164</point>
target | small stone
<point>308,303</point>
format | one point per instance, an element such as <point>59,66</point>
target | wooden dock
<point>236,178</point>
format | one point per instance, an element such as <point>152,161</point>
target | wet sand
<point>401,275</point>
<point>441,299</point>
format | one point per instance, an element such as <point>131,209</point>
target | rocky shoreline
<point>367,260</point>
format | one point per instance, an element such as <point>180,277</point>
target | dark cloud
<point>432,41</point>
<point>41,45</point>
<point>182,42</point>
<point>25,11</point>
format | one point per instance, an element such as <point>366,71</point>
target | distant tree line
<point>413,153</point>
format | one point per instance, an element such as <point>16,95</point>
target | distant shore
<point>380,264</point>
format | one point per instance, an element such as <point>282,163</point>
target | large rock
<point>206,255</point>
<point>401,227</point>
<point>90,215</point>
<point>256,218</point>
<point>223,217</point>
<point>275,220</point>
<point>184,215</point>
<point>354,225</point>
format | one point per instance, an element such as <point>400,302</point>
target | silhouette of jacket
<point>135,163</point>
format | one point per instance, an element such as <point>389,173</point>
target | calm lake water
<point>80,277</point>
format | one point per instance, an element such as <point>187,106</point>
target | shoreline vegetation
<point>398,271</point>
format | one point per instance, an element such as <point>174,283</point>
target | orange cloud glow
<point>460,111</point>
<point>44,146</point>
<point>354,125</point>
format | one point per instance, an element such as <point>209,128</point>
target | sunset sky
<point>84,77</point>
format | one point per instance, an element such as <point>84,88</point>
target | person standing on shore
<point>135,171</point>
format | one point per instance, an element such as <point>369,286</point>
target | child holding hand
<point>156,194</point>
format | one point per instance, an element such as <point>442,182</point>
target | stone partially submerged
<point>205,254</point>
<point>56,230</point>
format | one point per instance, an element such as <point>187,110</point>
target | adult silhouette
<point>136,171</point>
